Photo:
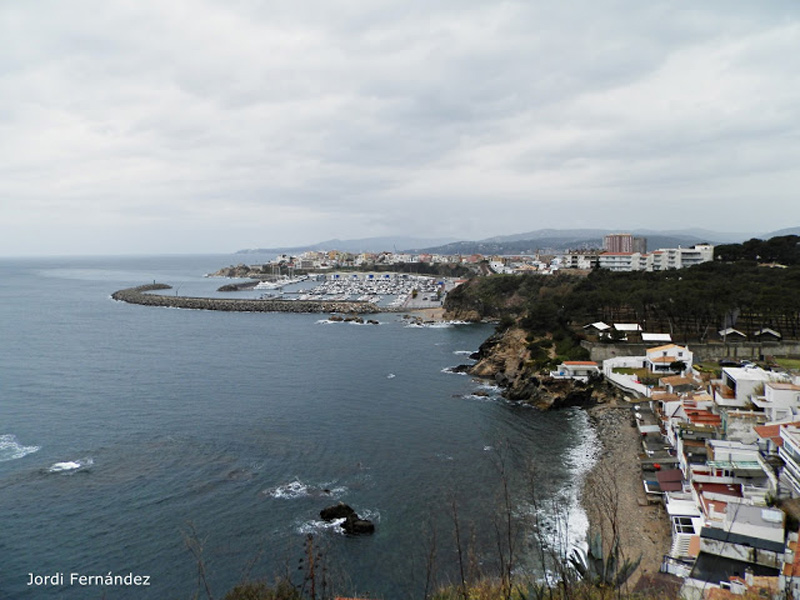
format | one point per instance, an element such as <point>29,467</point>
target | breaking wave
<point>452,371</point>
<point>11,449</point>
<point>564,525</point>
<point>70,465</point>
<point>297,489</point>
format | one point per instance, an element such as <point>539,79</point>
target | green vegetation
<point>261,590</point>
<point>789,363</point>
<point>712,368</point>
<point>692,304</point>
<point>784,250</point>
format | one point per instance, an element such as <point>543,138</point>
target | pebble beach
<point>613,495</point>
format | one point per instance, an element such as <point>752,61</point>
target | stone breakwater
<point>138,295</point>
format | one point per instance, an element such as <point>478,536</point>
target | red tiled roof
<point>702,417</point>
<point>725,489</point>
<point>773,432</point>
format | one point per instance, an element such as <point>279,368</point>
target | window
<point>683,525</point>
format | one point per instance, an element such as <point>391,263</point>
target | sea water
<point>130,435</point>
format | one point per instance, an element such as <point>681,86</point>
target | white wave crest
<point>370,514</point>
<point>70,465</point>
<point>451,371</point>
<point>289,491</point>
<point>479,397</point>
<point>317,526</point>
<point>297,489</point>
<point>573,524</point>
<point>11,449</point>
<point>464,352</point>
<point>391,376</point>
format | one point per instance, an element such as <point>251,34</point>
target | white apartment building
<point>658,260</point>
<point>578,260</point>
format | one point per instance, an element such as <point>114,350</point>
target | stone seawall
<point>138,295</point>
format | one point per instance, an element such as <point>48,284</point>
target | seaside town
<point>620,252</point>
<point>720,453</point>
<point>715,424</point>
<point>718,440</point>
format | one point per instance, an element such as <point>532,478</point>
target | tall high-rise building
<point>618,242</point>
<point>624,242</point>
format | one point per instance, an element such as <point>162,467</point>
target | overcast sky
<point>150,126</point>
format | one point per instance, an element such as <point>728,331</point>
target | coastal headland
<point>140,295</point>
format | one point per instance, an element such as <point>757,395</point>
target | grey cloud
<point>389,114</point>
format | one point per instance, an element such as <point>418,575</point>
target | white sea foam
<point>318,526</point>
<point>289,491</point>
<point>490,387</point>
<point>479,397</point>
<point>568,520</point>
<point>11,449</point>
<point>391,376</point>
<point>315,526</point>
<point>464,352</point>
<point>70,465</point>
<point>297,489</point>
<point>370,514</point>
<point>451,371</point>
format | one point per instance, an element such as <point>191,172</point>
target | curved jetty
<point>138,295</point>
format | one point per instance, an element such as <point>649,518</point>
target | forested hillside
<point>692,303</point>
<point>784,250</point>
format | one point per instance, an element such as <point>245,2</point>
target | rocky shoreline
<point>139,295</point>
<point>612,494</point>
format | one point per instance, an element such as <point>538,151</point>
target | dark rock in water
<point>337,511</point>
<point>475,356</point>
<point>357,526</point>
<point>353,524</point>
<point>460,369</point>
<point>335,318</point>
<point>373,322</point>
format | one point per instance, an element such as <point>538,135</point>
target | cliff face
<point>505,358</point>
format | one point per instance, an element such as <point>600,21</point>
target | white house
<point>659,359</point>
<point>581,370</point>
<point>780,401</point>
<point>739,384</point>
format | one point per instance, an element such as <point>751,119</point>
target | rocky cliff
<point>505,358</point>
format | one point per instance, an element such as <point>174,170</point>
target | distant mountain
<point>555,240</point>
<point>712,237</point>
<point>375,244</point>
<point>546,234</point>
<point>780,232</point>
<point>541,240</point>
